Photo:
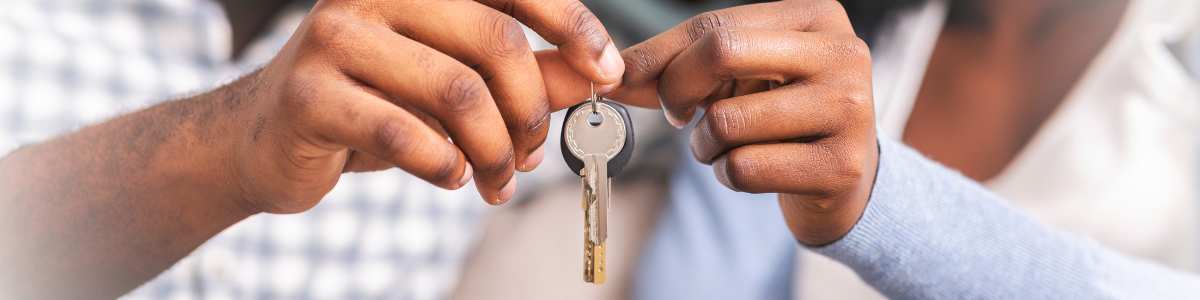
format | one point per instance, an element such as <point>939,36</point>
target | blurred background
<point>1082,113</point>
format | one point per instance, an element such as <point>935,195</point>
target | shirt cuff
<point>869,239</point>
<point>916,221</point>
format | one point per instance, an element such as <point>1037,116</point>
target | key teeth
<point>588,267</point>
<point>593,263</point>
<point>598,264</point>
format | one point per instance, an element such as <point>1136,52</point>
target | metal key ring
<point>593,97</point>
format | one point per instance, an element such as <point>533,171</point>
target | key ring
<point>592,89</point>
<point>594,118</point>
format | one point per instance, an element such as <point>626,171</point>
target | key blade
<point>591,174</point>
<point>591,188</point>
<point>599,167</point>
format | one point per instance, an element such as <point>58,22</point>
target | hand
<point>370,85</point>
<point>786,88</point>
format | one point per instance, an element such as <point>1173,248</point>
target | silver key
<point>595,133</point>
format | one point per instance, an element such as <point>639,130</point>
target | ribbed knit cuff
<point>879,230</point>
<point>930,233</point>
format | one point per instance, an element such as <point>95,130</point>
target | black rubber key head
<point>618,162</point>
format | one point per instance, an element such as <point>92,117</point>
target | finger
<point>359,161</point>
<point>494,45</point>
<point>785,114</point>
<point>798,168</point>
<point>745,87</point>
<point>372,125</point>
<point>645,62</point>
<point>727,54</point>
<point>416,75</point>
<point>568,24</point>
<point>365,162</point>
<point>564,86</point>
<point>567,87</point>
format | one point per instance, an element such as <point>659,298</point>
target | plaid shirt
<point>66,64</point>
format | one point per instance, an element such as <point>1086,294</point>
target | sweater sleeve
<point>930,233</point>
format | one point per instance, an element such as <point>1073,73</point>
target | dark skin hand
<point>787,91</point>
<point>360,86</point>
<point>788,98</point>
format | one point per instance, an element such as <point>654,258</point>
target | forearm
<point>929,233</point>
<point>94,213</point>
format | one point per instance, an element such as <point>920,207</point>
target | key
<point>597,142</point>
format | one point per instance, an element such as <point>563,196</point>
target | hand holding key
<point>786,88</point>
<point>446,90</point>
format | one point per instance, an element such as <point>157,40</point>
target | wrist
<point>820,222</point>
<point>242,124</point>
<point>814,225</point>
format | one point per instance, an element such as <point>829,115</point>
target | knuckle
<point>724,123</point>
<point>739,169</point>
<point>860,47</point>
<point>641,61</point>
<point>444,170</point>
<point>853,94</point>
<point>854,102</point>
<point>858,102</point>
<point>535,122</point>
<point>506,38</point>
<point>330,28</point>
<point>723,49</point>
<point>425,60</point>
<point>701,24</point>
<point>392,142</point>
<point>852,48</point>
<point>845,172</point>
<point>499,165</point>
<point>462,92</point>
<point>855,116</point>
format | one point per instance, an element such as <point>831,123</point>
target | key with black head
<point>597,143</point>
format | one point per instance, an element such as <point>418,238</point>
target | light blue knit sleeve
<point>929,233</point>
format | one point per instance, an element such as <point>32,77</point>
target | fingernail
<point>534,159</point>
<point>506,193</point>
<point>611,64</point>
<point>466,176</point>
<point>675,122</point>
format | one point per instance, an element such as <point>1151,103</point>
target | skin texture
<point>327,93</point>
<point>362,85</point>
<point>787,91</point>
<point>96,212</point>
